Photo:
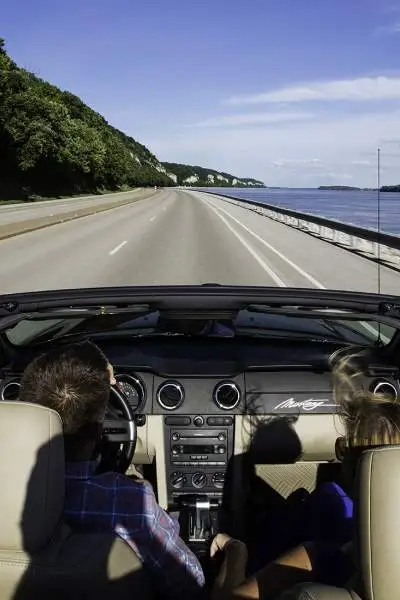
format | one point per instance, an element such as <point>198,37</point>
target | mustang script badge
<point>308,405</point>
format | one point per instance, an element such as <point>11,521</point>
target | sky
<point>293,92</point>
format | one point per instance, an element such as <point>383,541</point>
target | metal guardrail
<point>367,242</point>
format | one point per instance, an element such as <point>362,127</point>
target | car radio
<point>198,449</point>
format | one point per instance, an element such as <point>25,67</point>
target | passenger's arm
<point>176,570</point>
<point>282,574</point>
<point>311,562</point>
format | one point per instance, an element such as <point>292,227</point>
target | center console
<point>197,450</point>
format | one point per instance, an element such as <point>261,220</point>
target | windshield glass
<point>178,143</point>
<point>246,323</point>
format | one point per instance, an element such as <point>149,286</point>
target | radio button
<point>215,420</point>
<point>177,420</point>
<point>221,449</point>
<point>198,421</point>
<point>221,437</point>
<point>175,437</point>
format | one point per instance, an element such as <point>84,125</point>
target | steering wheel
<point>119,436</point>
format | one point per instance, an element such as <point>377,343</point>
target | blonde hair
<point>369,419</point>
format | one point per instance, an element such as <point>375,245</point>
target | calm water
<point>358,208</point>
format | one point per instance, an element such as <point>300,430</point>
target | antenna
<point>379,220</point>
<point>379,340</point>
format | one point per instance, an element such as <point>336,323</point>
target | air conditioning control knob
<point>218,480</point>
<point>177,479</point>
<point>198,421</point>
<point>199,480</point>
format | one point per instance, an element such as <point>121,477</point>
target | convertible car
<point>224,403</point>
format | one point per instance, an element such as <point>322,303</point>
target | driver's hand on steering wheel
<point>110,370</point>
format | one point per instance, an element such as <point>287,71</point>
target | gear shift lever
<point>202,529</point>
<point>199,517</point>
<point>198,520</point>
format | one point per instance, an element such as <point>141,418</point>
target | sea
<point>355,207</point>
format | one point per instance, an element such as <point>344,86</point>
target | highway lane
<point>181,237</point>
<point>13,213</point>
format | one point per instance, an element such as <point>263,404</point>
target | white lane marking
<point>152,218</point>
<point>294,266</point>
<point>367,326</point>
<point>115,250</point>
<point>254,254</point>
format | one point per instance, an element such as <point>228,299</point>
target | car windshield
<point>244,323</point>
<point>183,143</point>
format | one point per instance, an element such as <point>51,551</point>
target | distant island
<point>384,188</point>
<point>390,188</point>
<point>339,188</point>
<point>195,176</point>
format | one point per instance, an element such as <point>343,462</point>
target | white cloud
<point>391,29</point>
<point>295,163</point>
<point>338,176</point>
<point>352,90</point>
<point>361,163</point>
<point>254,119</point>
<point>337,141</point>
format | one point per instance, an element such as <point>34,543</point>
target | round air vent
<point>226,395</point>
<point>170,395</point>
<point>385,388</point>
<point>10,391</point>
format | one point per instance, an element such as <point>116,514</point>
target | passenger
<point>75,381</point>
<point>370,421</point>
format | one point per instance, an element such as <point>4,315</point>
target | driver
<point>75,381</point>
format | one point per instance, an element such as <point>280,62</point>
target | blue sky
<point>295,92</point>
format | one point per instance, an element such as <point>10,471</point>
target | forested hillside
<point>52,143</point>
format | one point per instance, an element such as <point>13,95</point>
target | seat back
<point>378,522</point>
<point>377,528</point>
<point>40,556</point>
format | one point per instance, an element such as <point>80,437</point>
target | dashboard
<point>199,404</point>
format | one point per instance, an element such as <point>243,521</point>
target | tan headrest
<point>32,474</point>
<point>378,522</point>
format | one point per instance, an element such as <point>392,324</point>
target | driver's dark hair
<point>73,380</point>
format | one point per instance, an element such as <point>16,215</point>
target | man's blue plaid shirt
<point>111,502</point>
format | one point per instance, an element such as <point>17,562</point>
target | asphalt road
<point>180,237</point>
<point>13,213</point>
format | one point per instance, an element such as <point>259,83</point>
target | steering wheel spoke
<point>119,436</point>
<point>118,431</point>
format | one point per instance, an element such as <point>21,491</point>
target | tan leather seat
<point>377,532</point>
<point>40,557</point>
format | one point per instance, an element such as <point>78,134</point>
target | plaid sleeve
<point>154,535</point>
